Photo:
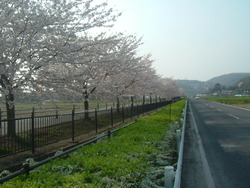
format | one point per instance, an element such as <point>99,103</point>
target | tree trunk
<point>10,108</point>
<point>118,104</point>
<point>143,100</point>
<point>86,108</point>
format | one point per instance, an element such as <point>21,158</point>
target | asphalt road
<point>217,146</point>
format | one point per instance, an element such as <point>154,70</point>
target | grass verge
<point>230,100</point>
<point>133,157</point>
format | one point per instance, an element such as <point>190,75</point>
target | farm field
<point>61,104</point>
<point>243,102</point>
<point>24,109</point>
<point>67,104</point>
<point>134,156</point>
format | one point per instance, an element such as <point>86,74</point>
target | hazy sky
<point>190,39</point>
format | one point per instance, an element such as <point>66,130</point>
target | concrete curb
<point>174,181</point>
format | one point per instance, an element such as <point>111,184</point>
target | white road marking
<point>219,109</point>
<point>230,146</point>
<point>209,122</point>
<point>233,116</point>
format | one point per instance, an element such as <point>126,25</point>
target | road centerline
<point>233,116</point>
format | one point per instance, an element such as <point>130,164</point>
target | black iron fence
<point>23,134</point>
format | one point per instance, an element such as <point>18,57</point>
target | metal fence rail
<point>25,134</point>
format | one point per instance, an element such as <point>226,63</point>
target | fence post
<point>96,123</point>
<point>178,140</point>
<point>33,130</point>
<point>123,115</point>
<point>112,118</point>
<point>73,124</point>
<point>26,168</point>
<point>169,177</point>
<point>109,134</point>
<point>56,112</point>
<point>0,118</point>
<point>170,111</point>
<point>131,112</point>
<point>137,110</point>
<point>132,101</point>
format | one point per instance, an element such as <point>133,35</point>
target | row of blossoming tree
<point>67,47</point>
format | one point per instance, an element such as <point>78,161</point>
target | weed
<point>4,151</point>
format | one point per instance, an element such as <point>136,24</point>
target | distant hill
<point>243,84</point>
<point>227,79</point>
<point>194,87</point>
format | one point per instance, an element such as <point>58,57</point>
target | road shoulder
<point>195,170</point>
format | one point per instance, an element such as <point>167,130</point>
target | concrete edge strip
<point>177,182</point>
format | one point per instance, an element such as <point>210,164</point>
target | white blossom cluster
<point>47,46</point>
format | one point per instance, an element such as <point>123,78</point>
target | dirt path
<point>247,106</point>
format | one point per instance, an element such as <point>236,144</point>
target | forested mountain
<point>232,81</point>
<point>243,84</point>
<point>192,87</point>
<point>227,79</point>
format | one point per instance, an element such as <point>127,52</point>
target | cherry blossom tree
<point>163,88</point>
<point>37,33</point>
<point>90,69</point>
<point>169,88</point>
<point>130,81</point>
<point>48,46</point>
<point>147,78</point>
<point>153,85</point>
<point>82,72</point>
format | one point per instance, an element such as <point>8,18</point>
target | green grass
<point>230,100</point>
<point>124,160</point>
<point>4,151</point>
